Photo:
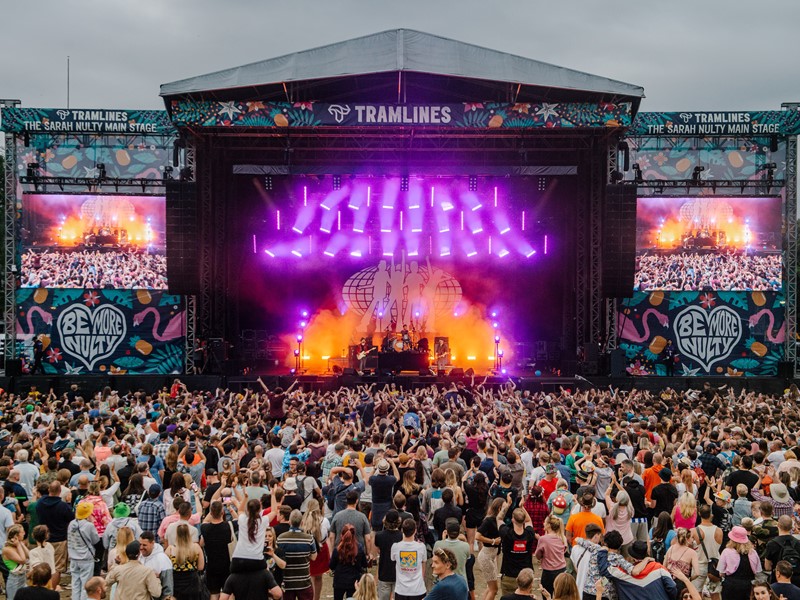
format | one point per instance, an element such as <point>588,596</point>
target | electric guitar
<point>361,355</point>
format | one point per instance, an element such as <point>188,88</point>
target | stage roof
<point>403,66</point>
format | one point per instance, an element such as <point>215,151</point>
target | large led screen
<point>707,243</point>
<point>93,241</point>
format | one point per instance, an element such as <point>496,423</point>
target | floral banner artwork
<point>663,158</point>
<point>702,333</point>
<point>124,156</point>
<point>477,115</point>
<point>102,331</point>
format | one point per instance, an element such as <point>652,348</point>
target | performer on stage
<point>364,349</point>
<point>406,337</point>
<point>386,344</point>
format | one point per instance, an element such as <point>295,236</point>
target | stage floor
<point>152,383</point>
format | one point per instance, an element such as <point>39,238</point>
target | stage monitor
<point>708,243</point>
<point>93,241</point>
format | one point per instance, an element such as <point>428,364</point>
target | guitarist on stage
<point>364,350</point>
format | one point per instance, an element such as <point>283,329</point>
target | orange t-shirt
<point>577,524</point>
<point>651,479</point>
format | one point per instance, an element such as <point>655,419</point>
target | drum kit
<point>404,341</point>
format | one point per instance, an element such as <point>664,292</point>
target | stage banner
<point>723,123</point>
<point>125,157</point>
<point>722,158</point>
<point>70,120</point>
<point>476,115</point>
<point>102,331</point>
<point>699,334</point>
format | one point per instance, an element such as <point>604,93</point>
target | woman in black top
<point>348,563</point>
<point>488,534</point>
<point>217,533</point>
<point>476,488</point>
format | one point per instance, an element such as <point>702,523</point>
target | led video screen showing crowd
<point>708,243</point>
<point>93,241</point>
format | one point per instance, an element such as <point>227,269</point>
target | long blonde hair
<point>312,520</point>
<point>687,505</point>
<point>450,478</point>
<point>124,537</point>
<point>184,551</point>
<point>366,588</point>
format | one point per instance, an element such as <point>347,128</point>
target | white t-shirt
<point>409,559</point>
<point>581,563</point>
<point>275,458</point>
<point>244,547</point>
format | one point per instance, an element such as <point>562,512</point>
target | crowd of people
<point>380,492</point>
<point>94,269</point>
<point>689,271</point>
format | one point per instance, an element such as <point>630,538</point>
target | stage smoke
<point>328,333</point>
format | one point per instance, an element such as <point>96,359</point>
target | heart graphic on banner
<point>707,337</point>
<point>91,335</point>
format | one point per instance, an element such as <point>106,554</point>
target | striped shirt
<point>297,548</point>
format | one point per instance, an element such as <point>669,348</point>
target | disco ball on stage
<point>359,293</point>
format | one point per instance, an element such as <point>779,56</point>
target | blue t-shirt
<point>449,588</point>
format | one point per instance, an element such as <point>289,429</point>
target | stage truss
<point>10,245</point>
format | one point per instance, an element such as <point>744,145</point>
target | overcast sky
<point>688,55</point>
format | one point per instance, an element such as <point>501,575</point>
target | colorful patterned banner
<point>712,333</point>
<point>125,157</point>
<point>64,120</point>
<point>724,123</point>
<point>722,158</point>
<point>102,331</point>
<point>476,115</point>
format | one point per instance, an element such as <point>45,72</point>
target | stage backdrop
<point>714,333</point>
<point>103,331</point>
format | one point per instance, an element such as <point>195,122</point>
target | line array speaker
<point>619,240</point>
<point>183,249</point>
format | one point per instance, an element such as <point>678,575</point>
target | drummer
<point>386,344</point>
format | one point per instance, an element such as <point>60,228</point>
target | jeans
<point>81,571</point>
<point>385,589</point>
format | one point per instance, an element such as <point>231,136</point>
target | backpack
<point>790,552</point>
<point>436,500</point>
<point>658,550</point>
<point>333,491</point>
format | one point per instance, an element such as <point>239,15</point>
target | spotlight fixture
<point>337,182</point>
<point>404,183</point>
<point>168,172</point>
<point>616,176</point>
<point>186,174</point>
<point>696,175</point>
<point>32,170</point>
<point>101,170</point>
<point>473,183</point>
<point>268,183</point>
<point>497,339</point>
<point>637,173</point>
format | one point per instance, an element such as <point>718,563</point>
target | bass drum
<point>398,346</point>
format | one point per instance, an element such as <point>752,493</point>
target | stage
<point>409,381</point>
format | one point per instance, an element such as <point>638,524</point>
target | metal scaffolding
<point>790,254</point>
<point>10,246</point>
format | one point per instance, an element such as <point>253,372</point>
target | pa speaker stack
<point>619,240</point>
<point>183,249</point>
